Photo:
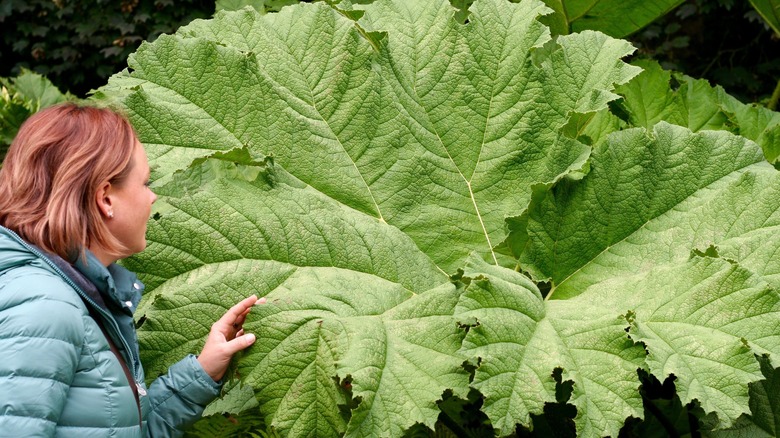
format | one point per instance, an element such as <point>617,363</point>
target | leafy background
<point>79,44</point>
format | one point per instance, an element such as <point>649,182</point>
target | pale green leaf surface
<point>701,327</point>
<point>520,336</point>
<point>695,104</point>
<point>234,5</point>
<point>600,126</point>
<point>756,123</point>
<point>402,361</point>
<point>649,99</point>
<point>416,134</point>
<point>236,398</point>
<point>658,198</point>
<point>22,96</point>
<point>315,327</point>
<point>657,95</point>
<point>35,91</point>
<point>177,125</point>
<point>645,267</point>
<point>693,319</point>
<point>701,320</point>
<point>764,420</point>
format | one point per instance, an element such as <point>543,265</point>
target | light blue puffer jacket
<point>58,375</point>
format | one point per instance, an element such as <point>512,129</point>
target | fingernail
<point>250,339</point>
<point>260,301</point>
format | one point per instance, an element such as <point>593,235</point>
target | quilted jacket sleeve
<point>40,340</point>
<point>178,398</point>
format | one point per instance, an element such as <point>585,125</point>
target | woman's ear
<point>104,201</point>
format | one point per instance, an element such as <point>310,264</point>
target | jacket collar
<point>114,285</point>
<point>13,253</point>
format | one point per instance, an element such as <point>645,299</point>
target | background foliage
<point>79,44</point>
<point>725,41</point>
<point>21,97</point>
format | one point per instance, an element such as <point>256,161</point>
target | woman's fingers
<point>241,318</point>
<point>240,310</point>
<point>227,337</point>
<point>239,343</point>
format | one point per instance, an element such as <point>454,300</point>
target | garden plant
<point>463,225</point>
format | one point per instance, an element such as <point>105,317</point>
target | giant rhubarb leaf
<point>348,296</point>
<point>440,133</point>
<point>359,174</point>
<point>663,226</point>
<point>764,422</point>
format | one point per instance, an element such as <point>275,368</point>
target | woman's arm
<point>179,398</point>
<point>41,342</point>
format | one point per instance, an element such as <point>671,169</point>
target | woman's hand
<point>226,338</point>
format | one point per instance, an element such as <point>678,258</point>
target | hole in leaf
<point>664,412</point>
<point>558,418</point>
<point>674,83</point>
<point>544,287</point>
<point>471,366</point>
<point>350,402</point>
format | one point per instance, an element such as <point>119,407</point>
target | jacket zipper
<point>106,317</point>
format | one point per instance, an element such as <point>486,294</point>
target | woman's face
<point>131,204</point>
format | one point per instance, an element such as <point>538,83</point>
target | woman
<point>74,199</point>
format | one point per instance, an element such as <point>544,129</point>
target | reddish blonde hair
<point>51,174</point>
